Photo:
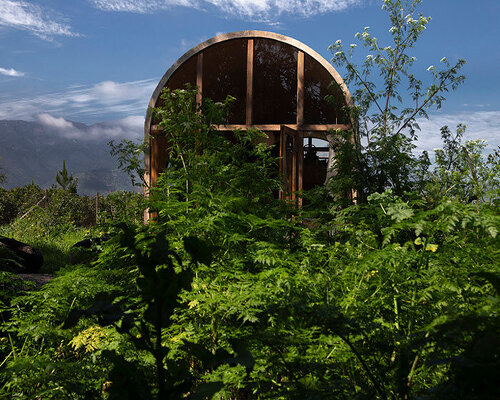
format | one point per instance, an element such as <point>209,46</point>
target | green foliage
<point>63,207</point>
<point>38,357</point>
<point>462,172</point>
<point>161,279</point>
<point>3,177</point>
<point>15,202</point>
<point>389,98</point>
<point>66,181</point>
<point>130,157</point>
<point>229,293</point>
<point>52,220</point>
<point>120,206</point>
<point>55,247</point>
<point>7,207</point>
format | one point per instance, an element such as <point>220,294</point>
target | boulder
<point>28,257</point>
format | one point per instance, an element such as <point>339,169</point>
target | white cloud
<point>139,6</point>
<point>270,9</point>
<point>131,127</point>
<point>480,125</point>
<point>11,72</point>
<point>54,122</point>
<point>264,10</point>
<point>92,104</point>
<point>30,17</point>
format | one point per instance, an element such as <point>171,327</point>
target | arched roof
<point>240,35</point>
<point>277,81</point>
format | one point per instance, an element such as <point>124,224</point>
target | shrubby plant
<point>389,97</point>
<point>54,207</point>
<point>65,180</point>
<point>52,220</point>
<point>461,171</point>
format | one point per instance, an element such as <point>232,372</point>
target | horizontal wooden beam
<point>277,127</point>
<point>326,127</point>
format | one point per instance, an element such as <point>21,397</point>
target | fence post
<point>97,208</point>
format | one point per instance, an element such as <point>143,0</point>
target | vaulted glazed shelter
<point>281,86</point>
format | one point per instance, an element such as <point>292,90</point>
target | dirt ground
<point>39,279</point>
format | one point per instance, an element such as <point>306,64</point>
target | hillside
<point>34,150</point>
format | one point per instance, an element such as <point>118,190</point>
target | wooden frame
<point>300,88</point>
<point>308,129</point>
<point>249,99</point>
<point>312,130</point>
<point>199,78</point>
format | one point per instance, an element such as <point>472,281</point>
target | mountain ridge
<point>34,151</point>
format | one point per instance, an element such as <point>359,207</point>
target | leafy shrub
<point>8,209</point>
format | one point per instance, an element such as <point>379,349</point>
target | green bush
<point>8,207</point>
<point>63,207</point>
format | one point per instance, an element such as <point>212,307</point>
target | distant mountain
<point>35,150</point>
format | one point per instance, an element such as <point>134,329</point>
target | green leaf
<point>206,390</point>
<point>199,250</point>
<point>399,211</point>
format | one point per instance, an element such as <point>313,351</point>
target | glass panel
<point>274,83</point>
<point>315,162</point>
<point>225,73</point>
<point>186,73</point>
<point>319,85</point>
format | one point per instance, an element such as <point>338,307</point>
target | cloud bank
<point>99,102</point>
<point>131,127</point>
<point>11,72</point>
<point>30,17</point>
<point>265,10</point>
<point>127,102</point>
<point>480,125</point>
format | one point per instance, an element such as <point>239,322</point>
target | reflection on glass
<point>274,83</point>
<point>225,73</point>
<point>186,73</point>
<point>315,162</point>
<point>323,98</point>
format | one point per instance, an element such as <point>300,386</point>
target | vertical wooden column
<point>282,163</point>
<point>249,99</point>
<point>159,154</point>
<point>300,89</point>
<point>199,77</point>
<point>295,157</point>
<point>300,164</point>
<point>299,148</point>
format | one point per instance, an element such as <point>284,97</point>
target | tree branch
<point>439,89</point>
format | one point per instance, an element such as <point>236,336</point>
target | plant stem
<point>160,373</point>
<point>378,386</point>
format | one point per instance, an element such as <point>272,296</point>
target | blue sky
<point>100,60</point>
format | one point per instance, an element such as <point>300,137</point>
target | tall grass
<point>53,241</point>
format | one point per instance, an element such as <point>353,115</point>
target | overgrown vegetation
<point>230,293</point>
<point>54,219</point>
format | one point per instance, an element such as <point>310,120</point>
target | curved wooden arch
<point>301,47</point>
<point>249,35</point>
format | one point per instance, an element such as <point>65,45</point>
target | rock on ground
<point>29,257</point>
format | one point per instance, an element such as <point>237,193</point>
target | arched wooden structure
<point>280,85</point>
